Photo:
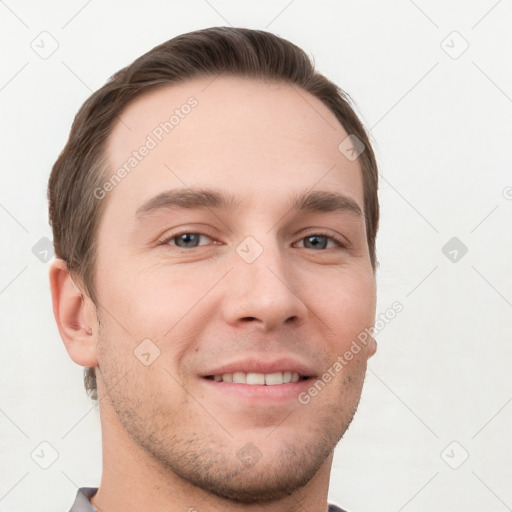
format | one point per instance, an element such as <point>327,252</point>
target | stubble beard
<point>207,459</point>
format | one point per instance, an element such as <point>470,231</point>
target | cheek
<point>347,304</point>
<point>160,303</point>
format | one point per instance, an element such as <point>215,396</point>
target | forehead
<point>254,137</point>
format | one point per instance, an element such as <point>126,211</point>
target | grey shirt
<point>82,503</point>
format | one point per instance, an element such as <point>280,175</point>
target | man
<point>214,215</point>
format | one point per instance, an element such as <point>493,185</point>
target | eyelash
<point>341,244</point>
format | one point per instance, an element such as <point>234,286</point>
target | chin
<point>256,481</point>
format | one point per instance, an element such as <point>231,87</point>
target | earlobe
<point>372,346</point>
<point>72,311</point>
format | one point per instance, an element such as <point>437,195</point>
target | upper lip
<point>260,365</point>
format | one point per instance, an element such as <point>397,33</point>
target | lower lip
<point>255,393</point>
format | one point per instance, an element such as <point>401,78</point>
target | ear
<point>74,313</point>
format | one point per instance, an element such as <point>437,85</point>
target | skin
<point>169,441</point>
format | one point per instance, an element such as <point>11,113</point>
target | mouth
<point>259,379</point>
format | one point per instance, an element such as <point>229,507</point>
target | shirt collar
<point>82,503</point>
<point>83,495</point>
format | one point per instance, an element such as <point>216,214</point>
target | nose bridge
<point>263,263</point>
<point>261,287</point>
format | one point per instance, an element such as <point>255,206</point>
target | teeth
<point>269,379</point>
<point>239,378</point>
<point>274,378</point>
<point>255,378</point>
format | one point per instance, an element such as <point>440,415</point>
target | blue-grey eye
<point>316,241</point>
<point>187,240</point>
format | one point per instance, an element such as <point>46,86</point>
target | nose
<point>265,292</point>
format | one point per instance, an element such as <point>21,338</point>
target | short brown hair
<point>74,211</point>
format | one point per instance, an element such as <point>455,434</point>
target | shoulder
<point>334,508</point>
<point>82,503</point>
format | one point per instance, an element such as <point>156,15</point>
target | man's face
<point>257,286</point>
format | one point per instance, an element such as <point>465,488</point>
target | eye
<point>185,240</point>
<point>315,241</point>
<point>318,241</point>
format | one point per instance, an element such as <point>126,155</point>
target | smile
<point>262,379</point>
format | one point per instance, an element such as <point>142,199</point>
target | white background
<point>442,131</point>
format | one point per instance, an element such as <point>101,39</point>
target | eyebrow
<point>314,201</point>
